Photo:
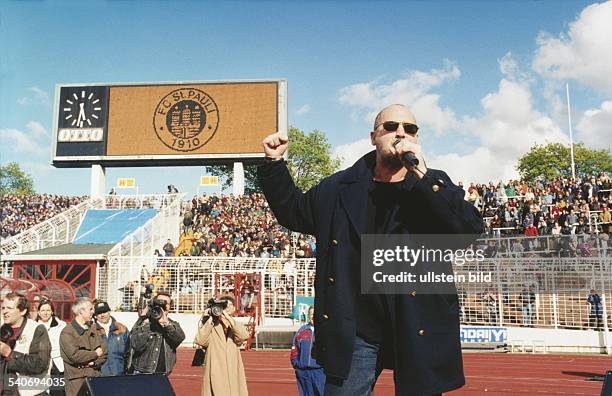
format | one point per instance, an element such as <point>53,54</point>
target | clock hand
<point>81,115</point>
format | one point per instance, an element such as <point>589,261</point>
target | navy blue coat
<point>426,351</point>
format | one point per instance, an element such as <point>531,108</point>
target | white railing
<point>192,281</point>
<point>559,285</point>
<point>154,233</point>
<point>155,201</point>
<point>61,228</point>
<point>57,230</point>
<point>582,245</point>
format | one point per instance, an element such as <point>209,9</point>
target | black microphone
<point>409,158</point>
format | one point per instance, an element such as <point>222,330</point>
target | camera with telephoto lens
<point>6,332</point>
<point>156,309</point>
<point>145,297</point>
<point>216,307</point>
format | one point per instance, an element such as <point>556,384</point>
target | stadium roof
<point>88,251</point>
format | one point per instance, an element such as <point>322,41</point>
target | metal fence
<point>192,281</point>
<point>534,292</point>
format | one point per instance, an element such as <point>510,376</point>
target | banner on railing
<point>483,334</point>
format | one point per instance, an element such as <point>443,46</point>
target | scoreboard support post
<point>98,178</point>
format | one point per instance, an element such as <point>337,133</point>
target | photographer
<point>28,360</point>
<point>155,337</point>
<point>222,336</point>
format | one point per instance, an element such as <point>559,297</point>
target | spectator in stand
<point>168,248</point>
<point>20,212</point>
<point>527,300</point>
<point>605,218</point>
<point>244,226</point>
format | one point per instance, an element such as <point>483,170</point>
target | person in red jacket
<point>531,230</point>
<point>310,376</point>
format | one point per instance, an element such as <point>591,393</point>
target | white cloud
<point>481,165</point>
<point>368,98</point>
<point>510,124</point>
<point>580,53</point>
<point>303,110</point>
<point>31,141</point>
<point>36,129</point>
<point>511,70</point>
<point>36,96</point>
<point>507,127</point>
<point>595,127</point>
<point>351,152</point>
<point>37,169</point>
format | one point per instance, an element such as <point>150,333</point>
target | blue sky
<point>486,80</point>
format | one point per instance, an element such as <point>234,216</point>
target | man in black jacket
<point>154,342</point>
<point>382,193</point>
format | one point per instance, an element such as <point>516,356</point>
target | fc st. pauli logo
<point>186,119</point>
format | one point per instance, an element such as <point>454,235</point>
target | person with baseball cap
<point>115,336</point>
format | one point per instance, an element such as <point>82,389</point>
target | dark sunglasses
<point>391,126</point>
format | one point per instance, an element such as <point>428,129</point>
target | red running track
<point>269,373</point>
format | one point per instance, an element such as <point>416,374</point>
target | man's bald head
<point>394,112</point>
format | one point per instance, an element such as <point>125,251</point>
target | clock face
<point>82,109</point>
<point>82,114</point>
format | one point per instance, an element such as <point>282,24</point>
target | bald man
<point>384,192</point>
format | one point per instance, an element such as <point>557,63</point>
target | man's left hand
<point>164,321</point>
<point>5,350</point>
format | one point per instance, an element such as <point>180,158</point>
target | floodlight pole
<point>569,121</point>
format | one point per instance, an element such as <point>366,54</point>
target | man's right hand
<point>275,145</point>
<point>99,351</point>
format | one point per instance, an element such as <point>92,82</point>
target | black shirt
<point>161,362</point>
<point>371,311</point>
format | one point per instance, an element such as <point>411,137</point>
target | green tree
<point>309,160</point>
<point>15,181</point>
<point>546,162</point>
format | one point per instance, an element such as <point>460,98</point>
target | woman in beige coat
<point>221,337</point>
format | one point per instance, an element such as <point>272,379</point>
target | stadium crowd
<point>20,212</point>
<point>244,226</point>
<point>562,206</point>
<point>228,226</point>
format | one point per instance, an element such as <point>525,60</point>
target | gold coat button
<point>435,188</point>
<point>413,293</point>
<point>334,242</point>
<point>332,280</point>
<point>325,317</point>
<point>421,332</point>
